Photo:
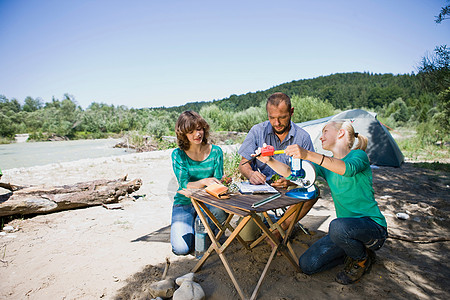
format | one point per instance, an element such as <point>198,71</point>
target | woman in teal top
<point>360,228</point>
<point>196,164</point>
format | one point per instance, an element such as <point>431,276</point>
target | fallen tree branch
<point>11,187</point>
<point>41,199</point>
<point>419,240</point>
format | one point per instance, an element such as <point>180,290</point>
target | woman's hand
<point>202,183</point>
<point>263,159</point>
<point>209,181</point>
<point>296,151</point>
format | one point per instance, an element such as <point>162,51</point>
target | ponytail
<point>362,142</point>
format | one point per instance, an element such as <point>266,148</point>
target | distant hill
<point>342,90</point>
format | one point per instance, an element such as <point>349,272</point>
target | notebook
<point>248,188</point>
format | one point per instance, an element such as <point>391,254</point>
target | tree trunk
<point>39,199</point>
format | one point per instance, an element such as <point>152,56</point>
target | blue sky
<point>166,53</point>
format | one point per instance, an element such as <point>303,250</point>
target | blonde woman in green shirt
<point>196,164</point>
<point>360,228</point>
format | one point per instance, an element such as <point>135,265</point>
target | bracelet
<point>323,157</point>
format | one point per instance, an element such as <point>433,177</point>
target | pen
<point>267,200</point>
<point>250,160</point>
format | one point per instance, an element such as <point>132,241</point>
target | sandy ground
<point>96,253</point>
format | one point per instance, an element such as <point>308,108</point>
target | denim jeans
<point>346,237</point>
<point>182,226</point>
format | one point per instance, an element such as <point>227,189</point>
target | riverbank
<point>24,155</point>
<point>95,253</point>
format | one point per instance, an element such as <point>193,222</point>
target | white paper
<point>248,188</point>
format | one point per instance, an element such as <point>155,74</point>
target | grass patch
<point>435,166</point>
<point>415,148</point>
<point>231,162</point>
<point>5,140</point>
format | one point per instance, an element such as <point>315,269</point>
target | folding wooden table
<point>241,205</point>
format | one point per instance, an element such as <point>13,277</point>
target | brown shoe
<point>354,270</point>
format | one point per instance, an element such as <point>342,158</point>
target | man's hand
<point>281,183</point>
<point>254,177</point>
<point>257,178</point>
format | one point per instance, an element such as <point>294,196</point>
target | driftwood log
<point>24,200</point>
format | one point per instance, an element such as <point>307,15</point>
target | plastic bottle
<point>202,240</point>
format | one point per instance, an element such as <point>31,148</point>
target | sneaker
<point>354,270</point>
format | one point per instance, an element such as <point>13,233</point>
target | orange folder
<point>217,190</point>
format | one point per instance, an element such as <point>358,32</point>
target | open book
<point>248,188</point>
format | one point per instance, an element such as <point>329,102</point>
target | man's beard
<point>286,128</point>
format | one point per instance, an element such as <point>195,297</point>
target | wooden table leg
<point>281,244</point>
<point>223,227</point>
<point>263,275</point>
<point>278,246</point>
<point>217,247</point>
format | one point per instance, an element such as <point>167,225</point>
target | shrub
<point>398,111</point>
<point>310,108</point>
<point>231,162</point>
<point>244,120</point>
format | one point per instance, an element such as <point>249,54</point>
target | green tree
<point>31,104</point>
<point>434,69</point>
<point>398,111</point>
<point>244,120</point>
<point>443,15</point>
<point>217,118</point>
<point>6,126</point>
<point>310,108</point>
<point>9,105</point>
<point>441,119</point>
<point>160,123</point>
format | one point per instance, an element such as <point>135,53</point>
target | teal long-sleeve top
<point>353,193</point>
<point>188,170</point>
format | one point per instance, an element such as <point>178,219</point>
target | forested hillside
<point>343,91</point>
<point>399,99</point>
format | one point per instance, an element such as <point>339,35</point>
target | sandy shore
<point>95,253</point>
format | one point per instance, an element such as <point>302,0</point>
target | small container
<point>402,216</point>
<point>202,241</point>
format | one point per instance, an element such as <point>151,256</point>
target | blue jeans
<point>346,237</point>
<point>182,226</point>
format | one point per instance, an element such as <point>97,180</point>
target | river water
<point>19,155</point>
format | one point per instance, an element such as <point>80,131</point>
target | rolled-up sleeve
<point>218,170</point>
<point>249,145</point>
<point>356,164</point>
<point>180,170</point>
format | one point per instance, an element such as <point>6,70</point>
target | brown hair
<point>276,98</point>
<point>187,122</point>
<point>347,126</point>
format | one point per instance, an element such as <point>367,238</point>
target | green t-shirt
<point>352,192</point>
<point>187,170</point>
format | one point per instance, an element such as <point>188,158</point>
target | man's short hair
<point>276,98</point>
